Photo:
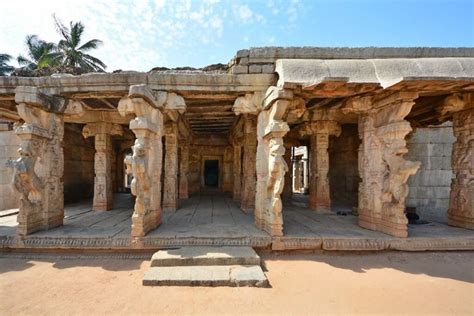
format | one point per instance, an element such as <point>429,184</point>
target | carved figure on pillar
<point>39,181</point>
<point>383,169</point>
<point>146,161</point>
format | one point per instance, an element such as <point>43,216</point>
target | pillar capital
<point>250,103</point>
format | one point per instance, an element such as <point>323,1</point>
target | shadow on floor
<point>450,265</point>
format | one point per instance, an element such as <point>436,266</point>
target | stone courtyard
<point>290,149</point>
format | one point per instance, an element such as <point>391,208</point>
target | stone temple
<point>288,148</point>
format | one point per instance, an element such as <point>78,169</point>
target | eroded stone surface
<point>206,276</point>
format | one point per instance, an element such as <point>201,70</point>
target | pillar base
<point>142,224</point>
<point>460,221</point>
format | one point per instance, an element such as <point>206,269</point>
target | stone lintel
<point>33,96</point>
<point>401,96</point>
<point>93,129</point>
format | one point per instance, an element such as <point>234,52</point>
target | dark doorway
<point>211,173</point>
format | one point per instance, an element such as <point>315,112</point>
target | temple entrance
<point>211,173</point>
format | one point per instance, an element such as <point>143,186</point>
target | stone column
<point>146,161</point>
<point>383,169</point>
<point>39,181</point>
<point>297,175</point>
<point>183,173</point>
<point>461,203</point>
<point>170,196</point>
<point>271,168</point>
<point>288,189</point>
<point>319,191</point>
<point>237,172</point>
<point>103,186</point>
<point>249,160</point>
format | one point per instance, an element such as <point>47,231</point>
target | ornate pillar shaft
<point>297,175</point>
<point>103,186</point>
<point>271,169</point>
<point>319,191</point>
<point>103,193</point>
<point>319,198</point>
<point>383,169</point>
<point>288,189</point>
<point>39,181</point>
<point>170,196</point>
<point>183,173</point>
<point>146,162</point>
<point>249,161</point>
<point>461,204</point>
<point>237,170</point>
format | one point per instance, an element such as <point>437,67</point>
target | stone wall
<point>221,151</point>
<point>78,164</point>
<point>9,198</point>
<point>430,187</point>
<point>343,167</point>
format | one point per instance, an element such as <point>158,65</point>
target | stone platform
<point>216,220</point>
<point>206,266</point>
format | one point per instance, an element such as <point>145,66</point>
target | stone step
<point>206,276</point>
<point>205,256</point>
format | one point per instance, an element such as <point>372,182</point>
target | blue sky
<point>142,34</point>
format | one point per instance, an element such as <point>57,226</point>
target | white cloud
<point>243,12</point>
<point>141,34</point>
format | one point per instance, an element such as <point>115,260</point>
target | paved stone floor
<point>214,219</point>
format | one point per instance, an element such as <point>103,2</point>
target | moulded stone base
<point>460,221</point>
<point>56,220</point>
<point>29,223</point>
<point>392,229</point>
<point>101,207</point>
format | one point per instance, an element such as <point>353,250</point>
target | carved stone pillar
<point>227,176</point>
<point>288,189</point>
<point>319,191</point>
<point>39,170</point>
<point>297,174</point>
<point>183,172</point>
<point>461,203</point>
<point>271,168</point>
<point>146,161</point>
<point>249,160</point>
<point>170,194</point>
<point>103,191</point>
<point>383,169</point>
<point>237,172</point>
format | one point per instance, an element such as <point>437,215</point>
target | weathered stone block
<point>255,69</point>
<point>268,69</point>
<point>238,69</point>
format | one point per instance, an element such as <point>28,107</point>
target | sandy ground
<point>302,284</point>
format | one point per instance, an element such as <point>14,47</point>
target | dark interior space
<point>211,173</point>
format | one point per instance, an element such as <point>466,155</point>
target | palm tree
<point>38,55</point>
<point>71,53</point>
<point>5,68</point>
